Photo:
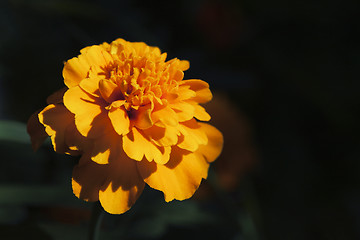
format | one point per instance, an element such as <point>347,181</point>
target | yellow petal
<point>90,115</point>
<point>185,111</point>
<point>109,91</point>
<point>36,131</point>
<point>184,92</point>
<point>88,178</point>
<point>192,135</point>
<point>184,65</point>
<point>123,187</point>
<point>140,48</point>
<point>179,178</point>
<point>201,88</point>
<point>77,68</point>
<point>167,136</point>
<point>200,113</point>
<point>166,116</point>
<point>136,146</point>
<point>178,75</point>
<point>142,119</point>
<point>119,200</point>
<point>213,148</point>
<point>90,86</point>
<point>76,142</point>
<point>106,147</point>
<point>117,184</point>
<point>120,120</point>
<point>56,118</point>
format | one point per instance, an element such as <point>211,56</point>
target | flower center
<point>141,81</point>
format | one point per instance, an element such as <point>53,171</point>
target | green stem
<point>95,222</point>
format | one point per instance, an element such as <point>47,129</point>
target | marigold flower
<point>134,120</point>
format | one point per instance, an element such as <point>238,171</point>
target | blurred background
<point>283,74</point>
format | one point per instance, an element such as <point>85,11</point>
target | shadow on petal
<point>56,97</point>
<point>117,183</point>
<point>36,131</point>
<point>56,119</point>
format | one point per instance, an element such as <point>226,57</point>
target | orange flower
<point>132,118</point>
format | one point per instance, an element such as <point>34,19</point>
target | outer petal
<point>121,193</point>
<point>123,187</point>
<point>77,68</point>
<point>117,184</point>
<point>192,135</point>
<point>184,65</point>
<point>167,136</point>
<point>215,142</point>
<point>184,110</point>
<point>105,148</point>
<point>36,131</point>
<point>200,113</point>
<point>166,116</point>
<point>56,119</point>
<point>203,93</point>
<point>179,178</point>
<point>90,116</point>
<point>90,86</point>
<point>76,142</point>
<point>88,178</point>
<point>183,92</point>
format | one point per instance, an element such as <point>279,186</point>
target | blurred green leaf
<point>185,213</point>
<point>63,231</point>
<point>155,223</point>
<point>12,214</point>
<point>13,131</point>
<point>37,195</point>
<point>150,227</point>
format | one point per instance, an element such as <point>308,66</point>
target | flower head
<point>134,120</point>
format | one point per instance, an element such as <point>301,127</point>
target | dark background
<point>286,73</point>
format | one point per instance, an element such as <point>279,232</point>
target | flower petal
<point>203,93</point>
<point>76,142</point>
<point>90,116</point>
<point>200,113</point>
<point>185,111</point>
<point>102,147</point>
<point>166,116</point>
<point>184,93</point>
<point>213,148</point>
<point>184,65</point>
<point>192,135</point>
<point>117,184</point>
<point>36,131</point>
<point>90,86</point>
<point>56,118</point>
<point>167,136</point>
<point>123,187</point>
<point>179,178</point>
<point>105,148</point>
<point>142,119</point>
<point>109,90</point>
<point>120,120</point>
<point>77,68</point>
<point>87,179</point>
<point>136,146</point>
